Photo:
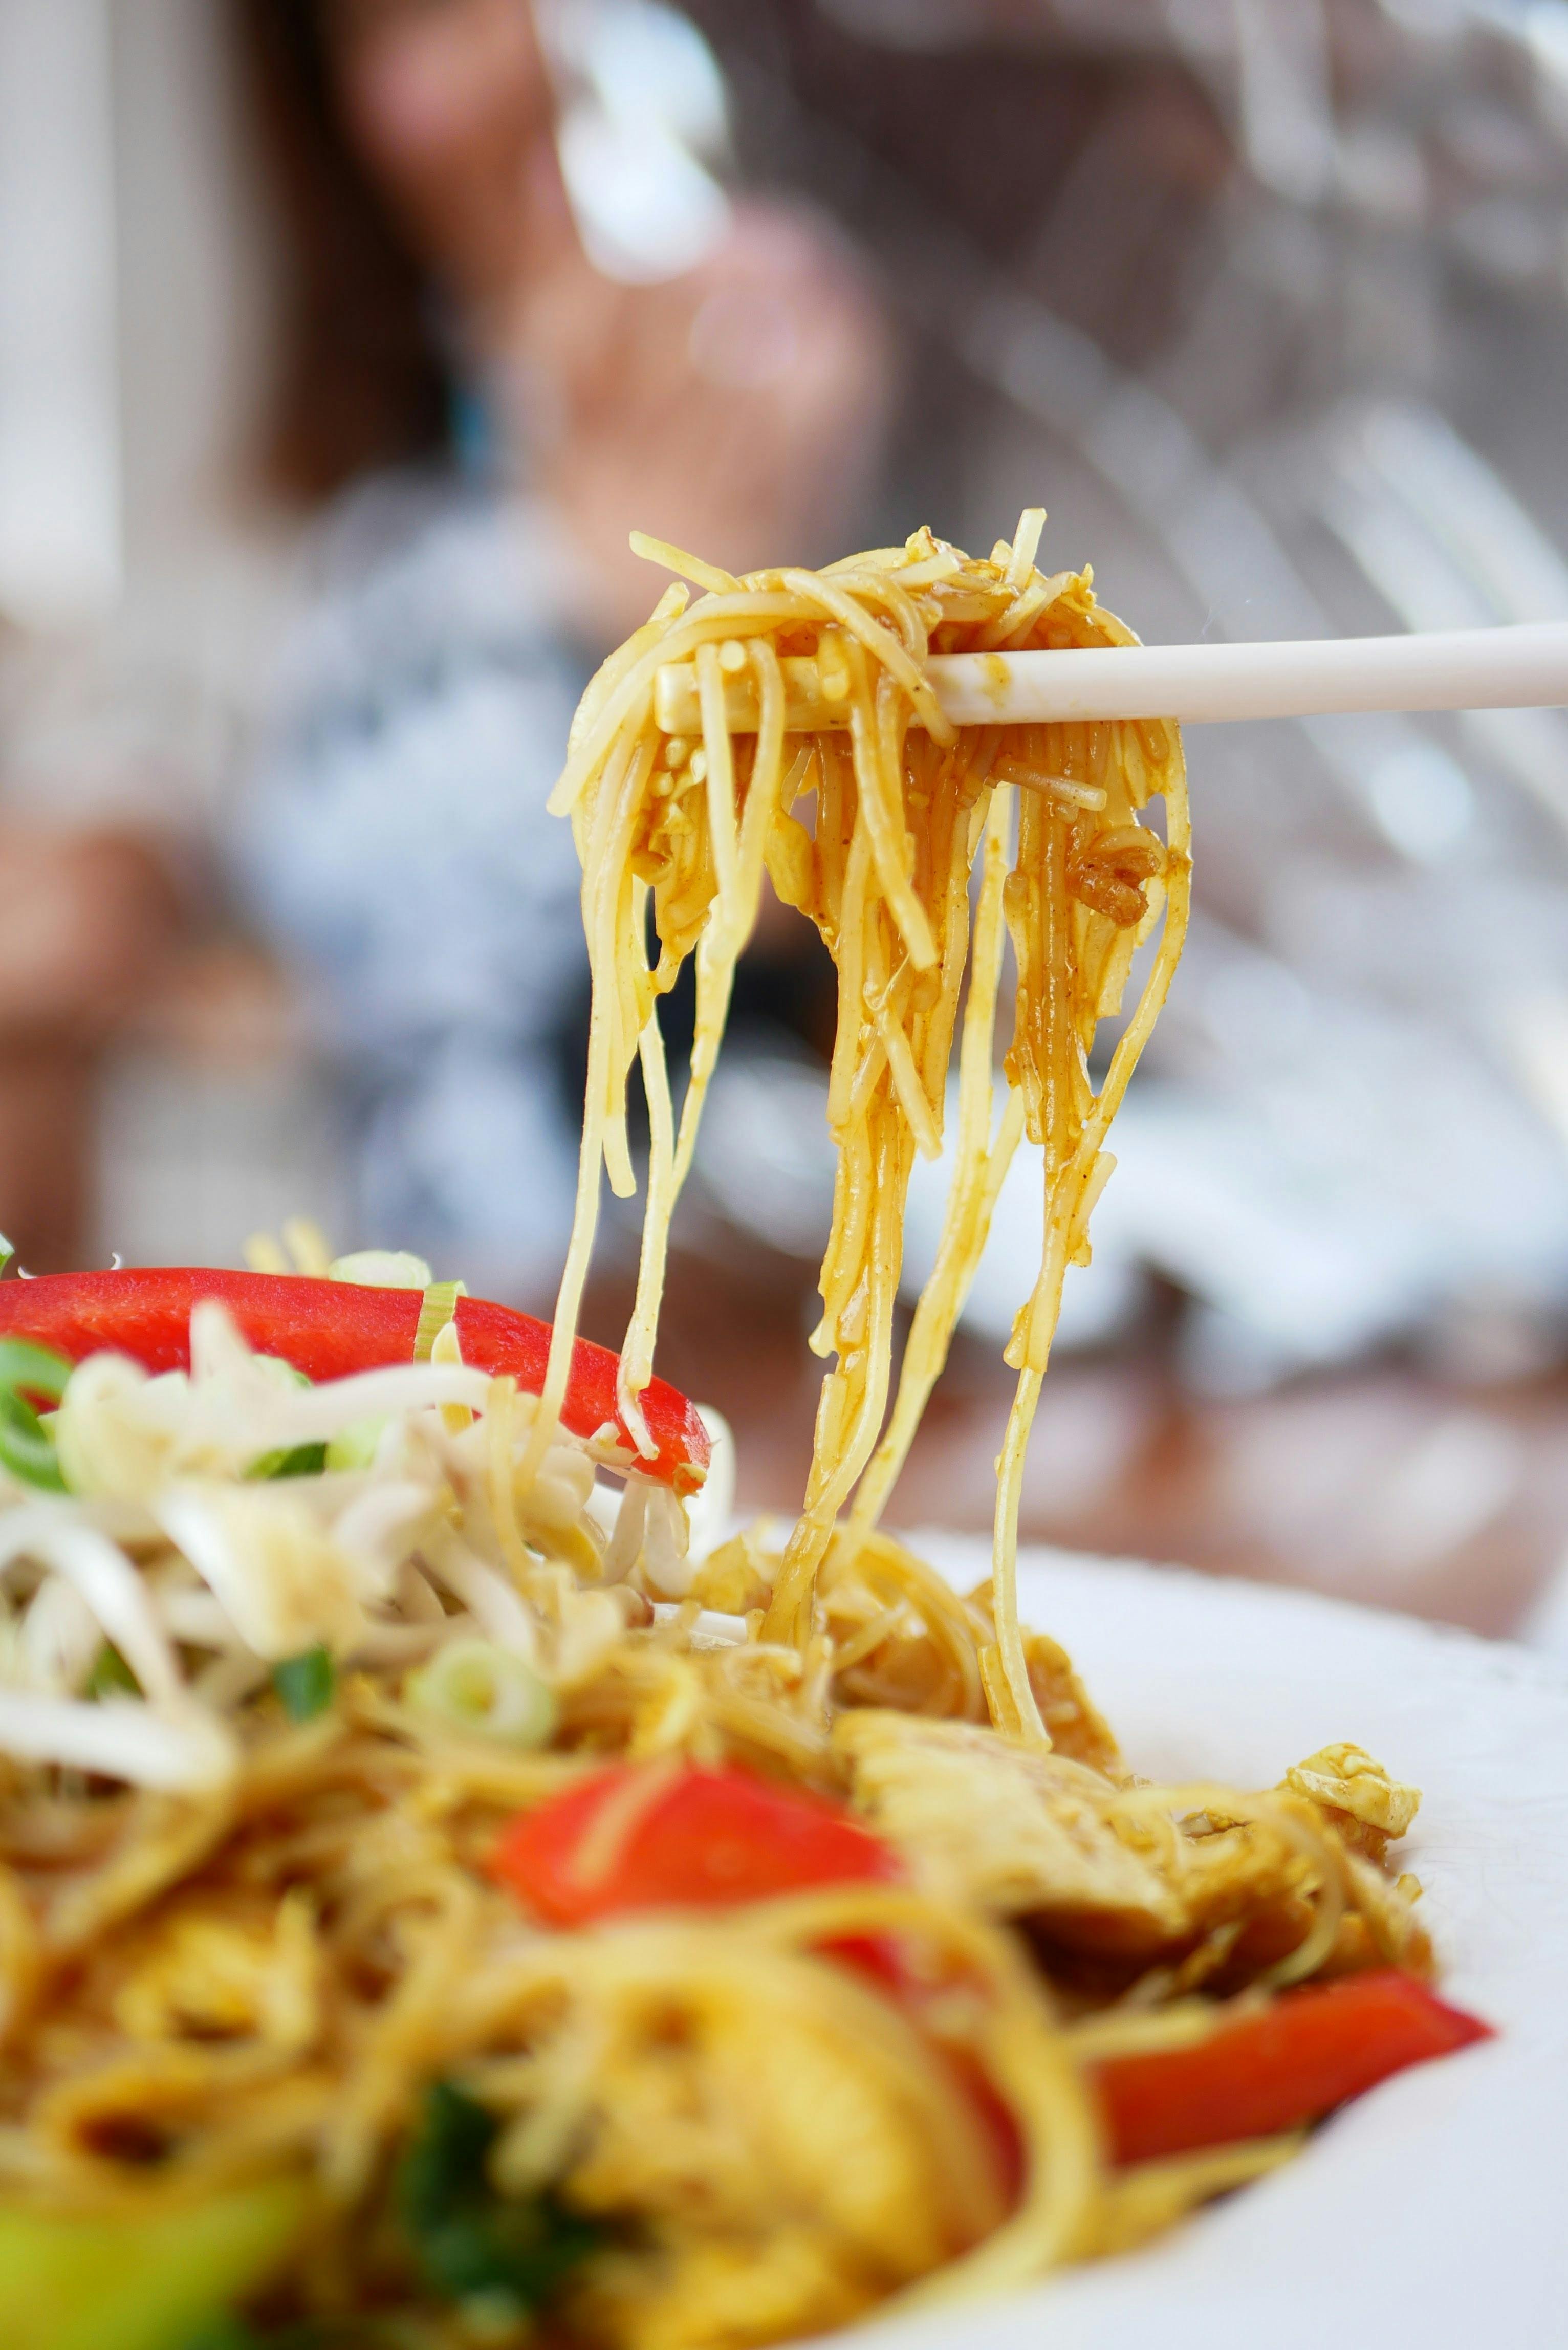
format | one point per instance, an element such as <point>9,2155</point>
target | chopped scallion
<point>26,1447</point>
<point>294,1460</point>
<point>354,1447</point>
<point>472,2243</point>
<point>111,1676</point>
<point>476,1687</point>
<point>306,1683</point>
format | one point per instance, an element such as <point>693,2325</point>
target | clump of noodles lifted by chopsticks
<point>870,813</point>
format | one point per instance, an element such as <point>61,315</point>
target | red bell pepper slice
<point>1278,2070</point>
<point>635,1838</point>
<point>329,1328</point>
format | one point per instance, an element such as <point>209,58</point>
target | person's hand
<point>734,410</point>
<point>84,918</point>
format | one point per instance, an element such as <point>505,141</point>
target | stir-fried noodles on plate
<point>452,1888</point>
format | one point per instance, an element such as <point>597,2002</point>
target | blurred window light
<point>1287,117</point>
<point>1438,19</point>
<point>59,435</point>
<point>1536,1039</point>
<point>1434,525</point>
<point>1546,35</point>
<point>1422,799</point>
<point>642,117</point>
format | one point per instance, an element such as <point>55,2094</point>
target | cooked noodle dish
<point>455,1888</point>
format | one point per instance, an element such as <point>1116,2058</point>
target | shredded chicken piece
<point>1370,1809</point>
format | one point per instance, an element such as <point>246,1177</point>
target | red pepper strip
<point>329,1328</point>
<point>702,1839</point>
<point>1280,2069</point>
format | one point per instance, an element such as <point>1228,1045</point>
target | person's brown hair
<point>359,381</point>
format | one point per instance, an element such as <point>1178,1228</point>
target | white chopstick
<point>1518,668</point>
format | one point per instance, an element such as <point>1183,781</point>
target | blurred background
<point>340,343</point>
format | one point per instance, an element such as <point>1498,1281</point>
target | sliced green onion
<point>26,1447</point>
<point>111,1676</point>
<point>476,1687</point>
<point>354,1447</point>
<point>289,1460</point>
<point>294,1460</point>
<point>305,1683</point>
<point>498,2257</point>
<point>437,1307</point>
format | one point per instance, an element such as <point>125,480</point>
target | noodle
<point>290,1675</point>
<point>885,876</point>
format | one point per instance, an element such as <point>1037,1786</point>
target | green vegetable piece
<point>290,1460</point>
<point>474,1686</point>
<point>111,1676</point>
<point>141,2283</point>
<point>305,1683</point>
<point>26,1447</point>
<point>354,1447</point>
<point>297,1461</point>
<point>468,2241</point>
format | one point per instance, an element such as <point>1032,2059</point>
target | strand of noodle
<point>397,2056</point>
<point>1004,1667</point>
<point>725,1971</point>
<point>720,788</point>
<point>166,1837</point>
<point>1013,1708</point>
<point>917,1112</point>
<point>877,1629</point>
<point>952,861</point>
<point>977,1177</point>
<point>765,800</point>
<point>21,1956</point>
<point>631,705</point>
<point>688,566</point>
<point>500,1419</point>
<point>885,648</point>
<point>1284,1820</point>
<point>716,956</point>
<point>625,945</point>
<point>876,585</point>
<point>851,960</point>
<point>1025,540</point>
<point>1013,625</point>
<point>1151,2196</point>
<point>1026,2060</point>
<point>858,1386</point>
<point>585,1211</point>
<point>855,1202</point>
<point>885,1563</point>
<point>715,976</point>
<point>881,807</point>
<point>637,1354</point>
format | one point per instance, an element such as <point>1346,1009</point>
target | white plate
<point>1435,2211</point>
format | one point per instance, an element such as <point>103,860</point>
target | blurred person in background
<point>488,413</point>
<point>1268,304</point>
<point>87,915</point>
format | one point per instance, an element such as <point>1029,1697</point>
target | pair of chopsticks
<point>1518,668</point>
